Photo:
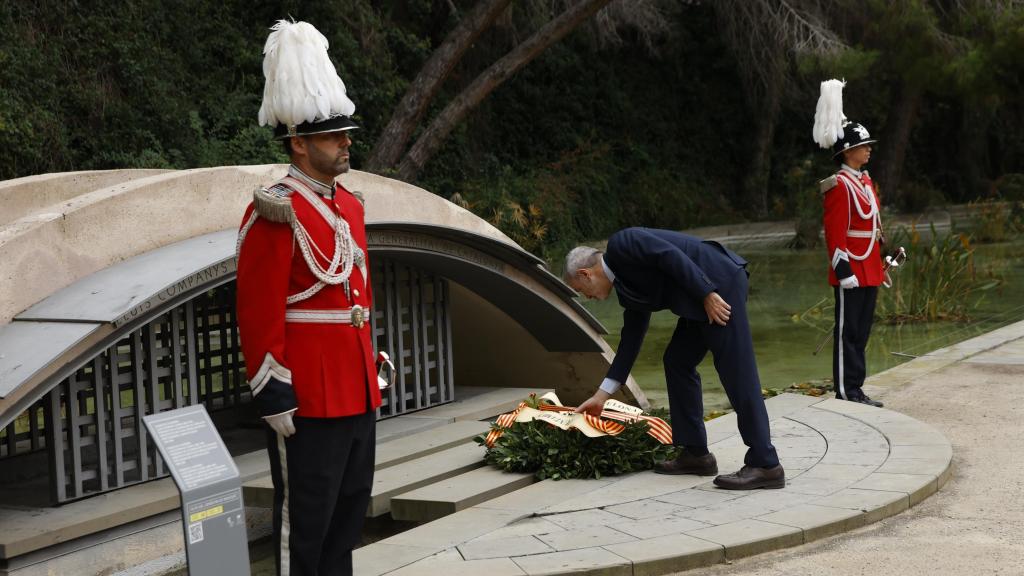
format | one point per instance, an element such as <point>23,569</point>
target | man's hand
<point>718,309</point>
<point>595,404</point>
<point>281,423</point>
<point>849,282</point>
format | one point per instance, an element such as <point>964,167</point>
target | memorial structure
<point>118,295</point>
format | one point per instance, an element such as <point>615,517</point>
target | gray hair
<point>580,257</point>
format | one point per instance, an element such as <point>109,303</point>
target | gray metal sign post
<point>211,491</point>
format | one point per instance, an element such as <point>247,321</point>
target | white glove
<point>849,282</point>
<point>282,423</point>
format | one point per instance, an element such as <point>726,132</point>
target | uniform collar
<point>607,271</point>
<point>857,173</point>
<point>325,190</point>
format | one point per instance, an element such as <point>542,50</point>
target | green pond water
<point>784,285</point>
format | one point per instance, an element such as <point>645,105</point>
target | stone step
<point>393,479</point>
<point>419,472</point>
<point>397,451</point>
<point>456,493</point>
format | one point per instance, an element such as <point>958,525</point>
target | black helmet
<point>854,135</point>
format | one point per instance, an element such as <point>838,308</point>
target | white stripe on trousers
<point>839,342</point>
<point>286,561</point>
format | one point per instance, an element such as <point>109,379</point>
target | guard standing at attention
<point>853,235</point>
<point>303,306</point>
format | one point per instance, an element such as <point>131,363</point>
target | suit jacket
<point>658,270</point>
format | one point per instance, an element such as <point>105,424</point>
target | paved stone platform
<point>847,465</point>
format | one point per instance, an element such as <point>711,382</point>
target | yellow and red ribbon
<point>565,417</point>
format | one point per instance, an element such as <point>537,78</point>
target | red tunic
<point>331,363</point>
<point>853,227</point>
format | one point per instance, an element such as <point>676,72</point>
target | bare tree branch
<point>395,136</point>
<point>432,138</point>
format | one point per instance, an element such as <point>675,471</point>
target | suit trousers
<point>732,348</point>
<point>855,313</point>
<point>322,478</point>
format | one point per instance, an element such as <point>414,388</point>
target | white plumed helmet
<point>303,93</point>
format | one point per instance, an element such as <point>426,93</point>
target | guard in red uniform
<point>303,305</point>
<point>853,235</point>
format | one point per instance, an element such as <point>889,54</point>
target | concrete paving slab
<point>747,537</point>
<point>699,498</point>
<point>670,553</point>
<point>659,526</point>
<point>456,493</point>
<point>544,494</point>
<point>584,538</point>
<point>503,548</point>
<point>454,529</point>
<point>380,558</point>
<point>811,486</point>
<point>923,452</point>
<point>784,404</point>
<point>842,472</point>
<point>875,504</point>
<point>647,508</point>
<point>916,486</point>
<point>591,561</point>
<point>525,527</point>
<point>490,567</point>
<point>934,467</point>
<point>817,521</point>
<point>584,519</point>
<point>622,489</point>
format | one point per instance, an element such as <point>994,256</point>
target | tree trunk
<point>432,138</point>
<point>755,182</point>
<point>393,140</point>
<point>894,143</point>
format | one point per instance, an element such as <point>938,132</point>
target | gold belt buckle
<point>358,316</point>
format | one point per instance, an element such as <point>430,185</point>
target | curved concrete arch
<point>32,194</point>
<point>88,228</point>
<point>504,290</point>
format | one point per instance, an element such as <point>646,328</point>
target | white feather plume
<point>829,117</point>
<point>302,84</point>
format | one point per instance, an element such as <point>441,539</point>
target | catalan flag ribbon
<point>550,409</point>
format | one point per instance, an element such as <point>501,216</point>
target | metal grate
<point>411,321</point>
<point>191,354</point>
<point>186,355</point>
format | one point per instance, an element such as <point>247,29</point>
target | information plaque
<point>212,510</point>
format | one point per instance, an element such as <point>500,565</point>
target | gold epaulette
<point>274,204</point>
<point>828,183</point>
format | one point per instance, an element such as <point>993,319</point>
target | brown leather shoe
<point>750,478</point>
<point>686,463</point>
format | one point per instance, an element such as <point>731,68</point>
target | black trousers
<point>855,313</point>
<point>733,351</point>
<point>322,478</point>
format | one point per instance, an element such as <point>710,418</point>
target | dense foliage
<point>590,137</point>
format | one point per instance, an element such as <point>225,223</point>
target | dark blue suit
<point>658,270</point>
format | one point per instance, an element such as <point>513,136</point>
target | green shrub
<point>938,281</point>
